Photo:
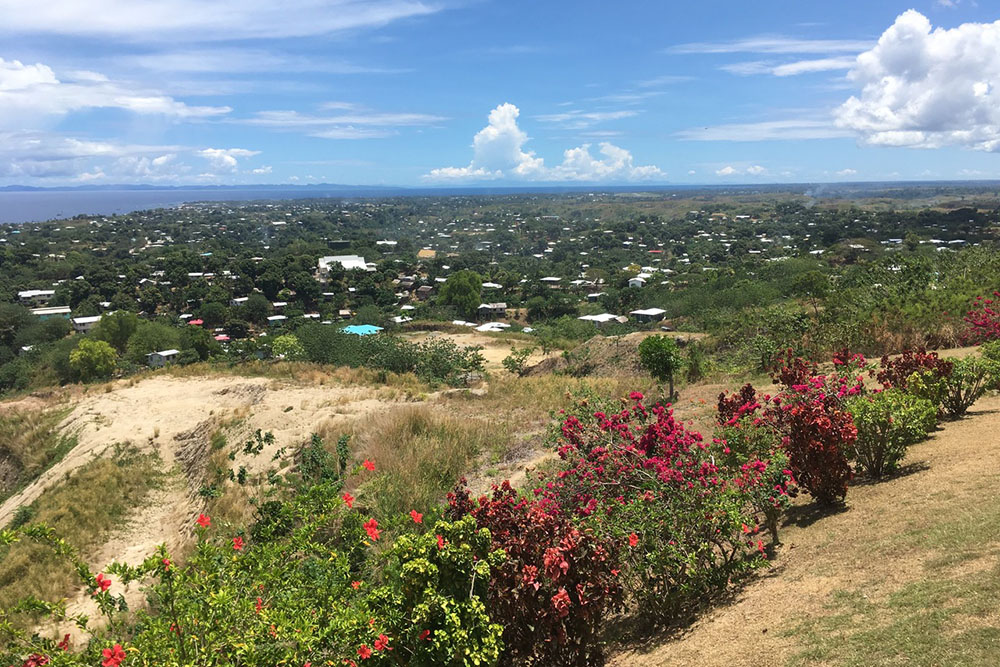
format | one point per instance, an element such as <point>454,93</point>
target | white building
<point>347,262</point>
<point>35,297</point>
<point>85,324</point>
<point>648,314</point>
<point>603,318</point>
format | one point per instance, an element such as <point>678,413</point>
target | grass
<point>30,443</point>
<point>946,615</point>
<point>84,509</point>
<point>420,452</point>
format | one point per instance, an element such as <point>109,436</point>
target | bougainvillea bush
<point>645,483</point>
<point>896,372</point>
<point>983,320</point>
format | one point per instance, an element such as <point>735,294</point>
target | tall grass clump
<point>30,443</point>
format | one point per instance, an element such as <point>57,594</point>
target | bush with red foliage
<point>557,585</point>
<point>733,407</point>
<point>896,372</point>
<point>983,320</point>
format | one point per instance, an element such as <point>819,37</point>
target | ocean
<point>37,206</point>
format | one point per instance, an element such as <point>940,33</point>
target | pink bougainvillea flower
<point>348,500</point>
<point>368,465</point>
<point>371,527</point>
<point>633,540</point>
<point>113,656</point>
<point>636,396</point>
<point>237,544</point>
<point>381,643</point>
<point>561,602</point>
<point>204,521</point>
<point>64,644</point>
<point>416,516</point>
<point>364,652</point>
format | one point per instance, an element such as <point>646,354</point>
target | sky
<point>504,92</point>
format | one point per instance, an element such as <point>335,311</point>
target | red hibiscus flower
<point>381,643</point>
<point>371,527</point>
<point>368,465</point>
<point>416,516</point>
<point>237,544</point>
<point>113,656</point>
<point>204,521</point>
<point>425,634</point>
<point>348,500</point>
<point>103,583</point>
<point>440,542</point>
<point>633,540</point>
<point>355,585</point>
<point>364,652</point>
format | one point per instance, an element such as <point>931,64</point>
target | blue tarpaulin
<point>362,329</point>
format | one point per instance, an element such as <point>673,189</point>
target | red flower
<point>633,540</point>
<point>348,500</point>
<point>381,643</point>
<point>364,652</point>
<point>204,521</point>
<point>368,465</point>
<point>166,564</point>
<point>102,582</point>
<point>425,634</point>
<point>36,660</point>
<point>371,527</point>
<point>237,544</point>
<point>259,605</point>
<point>440,542</point>
<point>636,396</point>
<point>64,644</point>
<point>113,656</point>
<point>416,516</point>
<point>355,585</point>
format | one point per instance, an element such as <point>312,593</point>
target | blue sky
<point>408,92</point>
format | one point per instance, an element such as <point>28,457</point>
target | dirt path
<point>872,546</point>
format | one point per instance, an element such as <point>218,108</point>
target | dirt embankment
<point>611,356</point>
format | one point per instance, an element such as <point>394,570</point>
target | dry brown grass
<point>29,443</point>
<point>84,509</point>
<point>420,452</point>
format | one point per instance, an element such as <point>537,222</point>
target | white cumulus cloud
<point>498,151</point>
<point>225,159</point>
<point>925,88</point>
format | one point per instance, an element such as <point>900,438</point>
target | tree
<point>462,292</point>
<point>151,337</point>
<point>213,313</point>
<point>288,347</point>
<point>256,309</point>
<point>116,328</point>
<point>812,285</point>
<point>92,359</point>
<point>661,357</point>
<point>237,329</point>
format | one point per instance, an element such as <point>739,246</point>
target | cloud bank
<point>498,153</point>
<point>926,88</point>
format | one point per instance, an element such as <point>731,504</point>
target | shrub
<point>288,347</point>
<point>651,487</point>
<point>517,361</point>
<point>896,372</point>
<point>969,380</point>
<point>555,588</point>
<point>983,321</point>
<point>888,422</point>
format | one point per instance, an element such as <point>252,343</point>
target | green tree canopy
<point>462,291</point>
<point>92,360</point>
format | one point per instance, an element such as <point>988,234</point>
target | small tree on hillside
<point>92,359</point>
<point>288,347</point>
<point>661,357</point>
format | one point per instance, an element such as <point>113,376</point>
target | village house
<point>648,314</point>
<point>162,358</point>
<point>35,297</point>
<point>490,310</point>
<point>85,324</point>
